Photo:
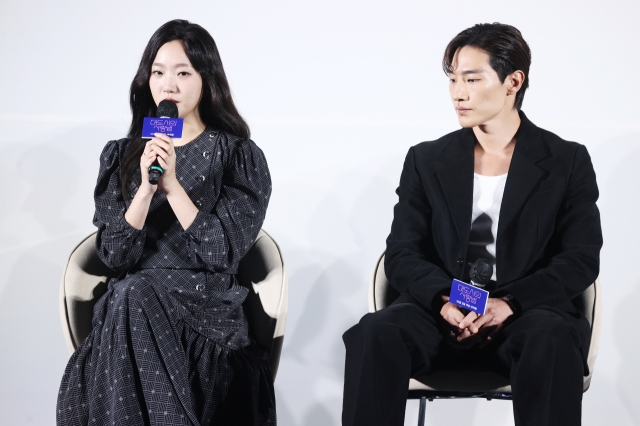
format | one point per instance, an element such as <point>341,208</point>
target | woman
<point>169,344</point>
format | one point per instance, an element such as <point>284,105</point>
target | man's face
<point>476,91</point>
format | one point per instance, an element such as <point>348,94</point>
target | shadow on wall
<point>42,181</point>
<point>50,209</point>
<point>620,209</point>
<point>627,339</point>
<point>284,415</point>
<point>624,205</point>
<point>318,415</point>
<point>30,324</point>
<point>328,294</point>
<point>341,286</point>
<point>52,181</point>
<point>312,320</point>
<point>54,177</point>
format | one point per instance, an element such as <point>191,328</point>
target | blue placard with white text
<point>171,127</point>
<point>468,297</point>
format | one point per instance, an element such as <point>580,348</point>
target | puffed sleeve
<point>221,237</point>
<point>118,244</point>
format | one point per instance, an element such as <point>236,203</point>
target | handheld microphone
<point>166,109</point>
<point>481,272</point>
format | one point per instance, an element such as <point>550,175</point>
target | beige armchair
<point>261,271</point>
<point>480,384</point>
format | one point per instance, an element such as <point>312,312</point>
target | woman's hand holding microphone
<point>159,148</point>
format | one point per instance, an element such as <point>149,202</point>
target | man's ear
<point>515,81</point>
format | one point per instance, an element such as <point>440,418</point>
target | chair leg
<point>423,407</point>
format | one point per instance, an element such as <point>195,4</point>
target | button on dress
<point>170,344</point>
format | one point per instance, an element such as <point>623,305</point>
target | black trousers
<point>539,351</point>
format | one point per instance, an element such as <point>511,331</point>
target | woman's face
<point>174,78</point>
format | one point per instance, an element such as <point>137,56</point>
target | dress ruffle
<point>168,351</point>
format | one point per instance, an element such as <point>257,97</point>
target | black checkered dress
<point>169,344</point>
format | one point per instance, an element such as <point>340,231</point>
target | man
<point>506,191</point>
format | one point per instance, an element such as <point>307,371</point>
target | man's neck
<point>498,134</point>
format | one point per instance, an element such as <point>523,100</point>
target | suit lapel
<point>524,174</point>
<point>456,179</point>
<point>455,176</point>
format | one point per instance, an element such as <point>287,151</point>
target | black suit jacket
<point>549,235</point>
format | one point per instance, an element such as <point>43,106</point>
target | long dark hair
<point>507,49</point>
<point>216,105</point>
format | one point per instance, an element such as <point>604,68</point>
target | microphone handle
<point>155,171</point>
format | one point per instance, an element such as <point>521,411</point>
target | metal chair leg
<point>423,407</point>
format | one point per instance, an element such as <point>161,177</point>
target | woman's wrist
<point>145,191</point>
<point>136,214</point>
<point>170,185</point>
<point>180,203</point>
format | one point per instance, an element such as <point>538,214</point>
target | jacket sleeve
<point>221,237</point>
<point>578,236</point>
<point>118,244</point>
<point>412,263</point>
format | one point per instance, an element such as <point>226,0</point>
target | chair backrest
<point>381,295</point>
<point>262,271</point>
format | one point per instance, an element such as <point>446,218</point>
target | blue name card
<point>469,297</point>
<point>171,127</point>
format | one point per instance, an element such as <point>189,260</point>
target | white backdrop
<point>335,93</point>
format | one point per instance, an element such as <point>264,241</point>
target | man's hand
<point>495,315</point>
<point>452,315</point>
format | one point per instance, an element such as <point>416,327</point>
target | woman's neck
<point>193,127</point>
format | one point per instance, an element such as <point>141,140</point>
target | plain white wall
<point>335,93</point>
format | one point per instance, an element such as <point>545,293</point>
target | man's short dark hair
<point>508,52</point>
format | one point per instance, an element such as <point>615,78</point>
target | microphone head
<point>168,109</point>
<point>481,272</point>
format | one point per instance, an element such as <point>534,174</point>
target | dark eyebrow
<point>465,72</point>
<point>472,72</point>
<point>158,64</point>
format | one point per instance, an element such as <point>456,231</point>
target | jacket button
<point>460,262</point>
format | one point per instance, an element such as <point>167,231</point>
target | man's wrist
<point>513,303</point>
